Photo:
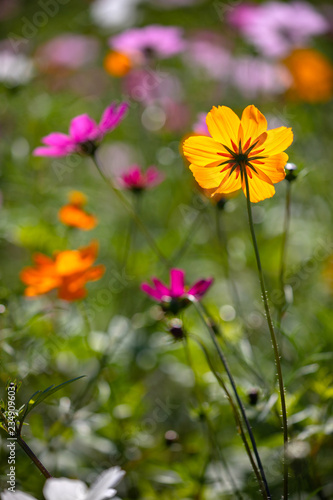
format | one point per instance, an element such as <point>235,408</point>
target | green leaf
<point>39,396</point>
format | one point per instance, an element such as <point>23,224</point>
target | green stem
<point>237,417</point>
<point>234,388</point>
<point>210,429</point>
<point>273,339</point>
<point>133,214</point>
<point>33,457</point>
<point>282,306</point>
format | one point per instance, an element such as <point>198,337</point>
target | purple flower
<point>207,55</point>
<point>154,40</point>
<point>84,133</point>
<point>254,76</point>
<point>200,126</point>
<point>67,51</point>
<point>177,296</point>
<point>135,179</point>
<point>275,28</point>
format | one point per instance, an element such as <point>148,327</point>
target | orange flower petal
<point>95,273</point>
<point>65,294</point>
<point>223,125</point>
<point>117,64</point>
<point>202,150</point>
<point>73,216</point>
<point>77,198</point>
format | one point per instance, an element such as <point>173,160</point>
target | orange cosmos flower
<point>239,147</point>
<point>73,214</point>
<point>312,76</point>
<point>68,271</point>
<point>117,64</point>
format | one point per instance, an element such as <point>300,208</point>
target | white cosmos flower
<point>73,489</point>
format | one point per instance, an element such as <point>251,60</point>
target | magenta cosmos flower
<point>137,180</point>
<point>150,41</point>
<point>275,28</point>
<point>177,296</point>
<point>84,134</point>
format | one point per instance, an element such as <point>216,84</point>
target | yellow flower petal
<point>229,183</point>
<point>253,124</point>
<point>223,125</point>
<point>273,167</point>
<point>278,139</point>
<point>201,150</point>
<point>207,177</point>
<point>259,189</point>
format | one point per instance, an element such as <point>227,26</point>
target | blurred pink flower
<point>254,76</point>
<point>67,51</point>
<point>275,28</point>
<point>207,53</point>
<point>200,126</point>
<point>177,295</point>
<point>135,179</point>
<point>84,133</point>
<point>149,41</point>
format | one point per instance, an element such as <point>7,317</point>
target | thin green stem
<point>33,457</point>
<point>133,213</point>
<point>273,339</point>
<point>237,417</point>
<point>188,239</point>
<point>284,242</point>
<point>210,429</point>
<point>234,388</point>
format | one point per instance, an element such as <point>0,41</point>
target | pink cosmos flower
<point>67,51</point>
<point>154,40</point>
<point>135,179</point>
<point>200,126</point>
<point>275,28</point>
<point>177,296</point>
<point>84,133</point>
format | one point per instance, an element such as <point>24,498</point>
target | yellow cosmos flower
<point>239,148</point>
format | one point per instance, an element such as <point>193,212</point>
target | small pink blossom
<point>154,40</point>
<point>177,295</point>
<point>275,28</point>
<point>84,134</point>
<point>200,126</point>
<point>135,179</point>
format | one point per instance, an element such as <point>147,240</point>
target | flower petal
<point>102,488</point>
<point>160,287</point>
<point>278,139</point>
<point>208,177</point>
<point>49,151</point>
<point>17,495</point>
<point>66,489</point>
<point>223,125</point>
<point>155,294</point>
<point>177,283</point>
<point>259,189</point>
<point>273,167</point>
<point>253,124</point>
<point>199,288</point>
<point>229,184</point>
<point>112,116</point>
<point>202,151</point>
<point>83,128</point>
<point>57,139</point>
